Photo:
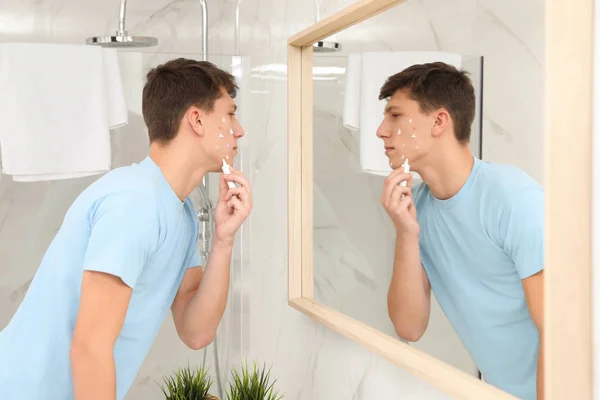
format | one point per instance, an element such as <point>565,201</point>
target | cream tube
<point>406,168</point>
<point>227,170</point>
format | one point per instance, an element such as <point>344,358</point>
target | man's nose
<point>382,131</point>
<point>238,131</point>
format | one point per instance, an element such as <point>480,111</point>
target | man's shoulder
<point>127,177</point>
<point>123,190</point>
<point>507,184</point>
<point>128,181</point>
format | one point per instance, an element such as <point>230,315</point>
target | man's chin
<point>217,166</point>
<point>396,163</point>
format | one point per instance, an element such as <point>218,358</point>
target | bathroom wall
<point>310,362</point>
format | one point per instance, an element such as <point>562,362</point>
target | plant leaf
<point>187,384</point>
<point>252,384</point>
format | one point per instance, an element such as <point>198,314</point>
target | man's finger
<point>406,203</point>
<point>222,188</point>
<point>397,194</point>
<point>237,206</point>
<point>236,191</point>
<point>238,177</point>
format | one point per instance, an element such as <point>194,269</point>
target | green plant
<point>252,384</point>
<point>187,384</point>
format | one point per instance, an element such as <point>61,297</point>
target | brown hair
<point>173,87</point>
<point>436,85</point>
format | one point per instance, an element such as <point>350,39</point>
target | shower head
<point>326,47</point>
<point>122,40</point>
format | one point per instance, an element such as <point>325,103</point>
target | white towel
<point>375,68</point>
<point>57,104</point>
<point>351,113</point>
<point>133,75</point>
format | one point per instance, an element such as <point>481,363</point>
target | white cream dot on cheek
<point>231,131</point>
<point>221,135</point>
<point>413,136</point>
<point>223,120</point>
<point>410,120</point>
<point>399,132</point>
<point>227,157</point>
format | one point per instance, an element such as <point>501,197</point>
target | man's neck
<point>448,173</point>
<point>180,174</point>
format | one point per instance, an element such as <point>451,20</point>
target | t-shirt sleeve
<point>196,260</point>
<point>123,236</point>
<point>523,229</point>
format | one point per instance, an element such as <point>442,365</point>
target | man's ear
<point>194,118</point>
<point>441,122</point>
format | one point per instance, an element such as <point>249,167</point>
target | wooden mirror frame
<point>568,191</point>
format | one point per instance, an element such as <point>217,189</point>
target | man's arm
<point>201,299</point>
<point>202,296</point>
<point>522,233</point>
<point>534,293</point>
<point>123,235</point>
<point>409,295</point>
<point>102,309</point>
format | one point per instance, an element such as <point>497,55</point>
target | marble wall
<point>310,362</point>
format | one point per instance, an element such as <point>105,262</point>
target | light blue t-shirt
<point>129,223</point>
<point>476,247</point>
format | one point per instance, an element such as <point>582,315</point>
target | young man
<point>473,232</point>
<point>127,251</point>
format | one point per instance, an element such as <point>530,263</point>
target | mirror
<point>354,238</point>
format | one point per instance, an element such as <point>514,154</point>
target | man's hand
<point>234,206</point>
<point>398,203</point>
